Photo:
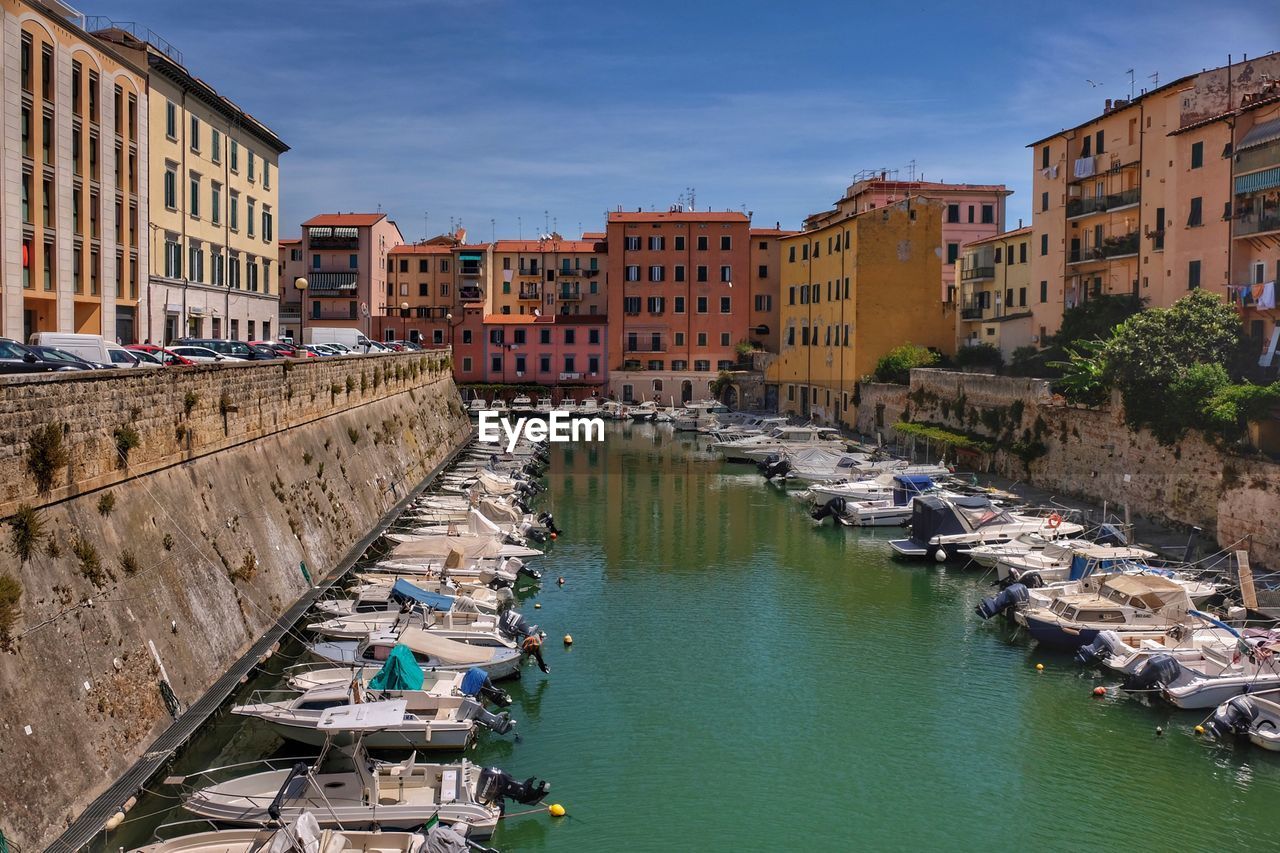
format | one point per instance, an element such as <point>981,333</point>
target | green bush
<point>10,594</point>
<point>90,563</point>
<point>46,456</point>
<point>979,354</point>
<point>895,365</point>
<point>127,439</point>
<point>26,531</point>
<point>106,504</point>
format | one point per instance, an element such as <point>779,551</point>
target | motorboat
<point>471,546</point>
<point>588,408</point>
<point>367,793</point>
<point>1136,604</point>
<point>946,528</point>
<point>304,835</point>
<point>643,411</point>
<point>429,650</point>
<point>1124,653</point>
<point>880,512</point>
<point>472,627</point>
<point>302,677</point>
<point>757,448</point>
<point>544,407</point>
<point>1067,559</point>
<point>476,406</point>
<point>521,405</point>
<point>871,485</point>
<point>1215,674</point>
<point>1255,716</point>
<point>376,593</point>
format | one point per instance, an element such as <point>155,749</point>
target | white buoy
<point>940,555</point>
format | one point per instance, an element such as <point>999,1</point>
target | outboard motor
<point>495,786</point>
<point>514,626</point>
<point>533,534</point>
<point>529,571</point>
<point>549,521</point>
<point>763,464</point>
<point>1158,672</point>
<point>777,469</point>
<point>1233,717</point>
<point>521,505</point>
<point>1010,596</point>
<point>1030,579</point>
<point>835,506</point>
<point>476,682</point>
<point>506,599</point>
<point>1102,647</point>
<point>500,723</point>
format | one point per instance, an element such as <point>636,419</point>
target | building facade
<point>676,317</point>
<point>852,289</point>
<point>549,275</point>
<point>214,185</point>
<point>74,177</point>
<point>345,255</point>
<point>422,277</point>
<point>290,268</point>
<point>562,351</point>
<point>995,295</point>
<point>766,264</point>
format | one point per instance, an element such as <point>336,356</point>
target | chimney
<point>1107,108</point>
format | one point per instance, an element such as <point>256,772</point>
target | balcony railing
<point>570,294</point>
<point>530,293</point>
<point>1112,247</point>
<point>1257,224</point>
<point>971,273</point>
<point>529,271</point>
<point>470,294</point>
<point>971,312</point>
<point>1101,204</point>
<point>646,346</point>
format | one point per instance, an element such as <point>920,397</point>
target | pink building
<point>345,260</point>
<point>565,351</point>
<point>972,212</point>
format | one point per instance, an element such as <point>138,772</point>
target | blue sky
<point>525,112</point>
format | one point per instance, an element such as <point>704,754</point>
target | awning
<point>468,256</point>
<point>1257,181</point>
<point>319,231</point>
<point>1260,134</point>
<point>346,232</point>
<point>331,281</point>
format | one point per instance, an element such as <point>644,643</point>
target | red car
<point>169,359</point>
<point>281,349</point>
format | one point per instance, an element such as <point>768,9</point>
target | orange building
<point>421,276</point>
<point>766,267</point>
<point>551,275</point>
<point>675,314</point>
<point>346,270</point>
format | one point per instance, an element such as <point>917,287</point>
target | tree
<point>980,354</point>
<point>1082,379</point>
<point>895,365</point>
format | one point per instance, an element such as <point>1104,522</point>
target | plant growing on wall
<point>127,439</point>
<point>106,503</point>
<point>246,570</point>
<point>128,563</point>
<point>26,532</point>
<point>10,594</point>
<point>90,564</point>
<point>353,434</point>
<point>167,542</point>
<point>46,456</point>
<point>895,365</point>
<point>189,401</point>
<point>351,384</point>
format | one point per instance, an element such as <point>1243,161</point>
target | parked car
<point>202,355</point>
<point>280,348</point>
<point>235,349</point>
<point>16,358</point>
<point>352,339</point>
<point>320,349</point>
<point>165,356</point>
<point>92,348</point>
<point>145,358</point>
<point>407,345</point>
<point>67,358</point>
<point>122,357</point>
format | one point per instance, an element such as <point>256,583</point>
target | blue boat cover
<point>400,672</point>
<point>914,482</point>
<point>473,681</point>
<point>405,591</point>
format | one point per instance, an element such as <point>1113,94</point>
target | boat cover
<point>914,482</point>
<point>472,547</point>
<point>405,591</point>
<point>301,836</point>
<point>1150,591</point>
<point>473,681</point>
<point>400,672</point>
<point>425,643</point>
<point>932,516</point>
<point>499,512</point>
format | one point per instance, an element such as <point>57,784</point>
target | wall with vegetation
<point>187,532</point>
<point>1017,428</point>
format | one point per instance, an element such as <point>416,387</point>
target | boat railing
<point>215,775</point>
<point>175,829</point>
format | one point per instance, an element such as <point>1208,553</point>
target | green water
<point>742,681</point>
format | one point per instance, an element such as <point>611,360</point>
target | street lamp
<point>448,319</point>
<point>404,321</point>
<point>301,284</point>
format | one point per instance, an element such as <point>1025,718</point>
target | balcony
<point>291,314</point>
<point>471,294</point>
<point>529,272</point>
<point>570,294</point>
<point>973,273</point>
<point>642,346</point>
<point>531,294</point>
<point>1112,247</point>
<point>971,312</point>
<point>331,283</point>
<point>1077,207</point>
<point>1257,224</point>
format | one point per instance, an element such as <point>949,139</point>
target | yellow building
<point>74,170</point>
<point>995,292</point>
<point>851,290</point>
<point>215,188</point>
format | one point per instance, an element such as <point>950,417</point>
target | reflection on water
<point>743,681</point>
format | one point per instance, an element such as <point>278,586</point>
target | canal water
<point>742,681</point>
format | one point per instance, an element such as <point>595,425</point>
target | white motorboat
<point>588,408</point>
<point>412,546</point>
<point>476,406</point>
<point>1065,559</point>
<point>376,594</point>
<point>304,835</point>
<point>643,411</point>
<point>544,406</point>
<point>471,627</point>
<point>430,652</point>
<point>757,448</point>
<point>302,677</point>
<point>369,793</point>
<point>1256,716</point>
<point>1135,604</point>
<point>1124,653</point>
<point>874,484</point>
<point>521,405</point>
<point>946,528</point>
<point>879,512</point>
<point>1215,675</point>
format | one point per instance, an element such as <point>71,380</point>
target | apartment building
<point>766,264</point>
<point>995,296</point>
<point>422,278</point>
<point>74,177</point>
<point>563,351</point>
<point>290,267</point>
<point>1254,277</point>
<point>970,212</point>
<point>675,315</point>
<point>214,181</point>
<point>1140,199</point>
<point>852,289</point>
<point>345,255</point>
<point>548,275</point>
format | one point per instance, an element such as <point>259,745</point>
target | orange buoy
<point>553,536</point>
<point>1099,691</point>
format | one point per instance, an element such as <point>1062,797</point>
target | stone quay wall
<point>240,474</point>
<point>1090,453</point>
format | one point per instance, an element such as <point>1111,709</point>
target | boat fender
<point>1158,671</point>
<point>1011,596</point>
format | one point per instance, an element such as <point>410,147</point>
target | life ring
<point>1055,521</point>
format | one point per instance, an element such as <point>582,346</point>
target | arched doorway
<point>731,396</point>
<point>686,391</point>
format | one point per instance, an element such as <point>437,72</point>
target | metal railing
<point>529,293</point>
<point>970,312</point>
<point>95,23</point>
<point>1251,224</point>
<point>1126,244</point>
<point>1100,204</point>
<point>570,293</point>
<point>978,272</point>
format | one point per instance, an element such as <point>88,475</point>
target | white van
<point>353,339</point>
<point>89,347</point>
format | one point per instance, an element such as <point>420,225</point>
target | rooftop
<point>678,216</point>
<point>421,249</point>
<point>553,245</point>
<point>996,238</point>
<point>546,319</point>
<point>356,220</point>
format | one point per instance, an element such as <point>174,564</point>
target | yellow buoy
<point>568,639</point>
<point>537,606</point>
<point>556,810</point>
<point>1039,667</point>
<point>1199,730</point>
<point>114,821</point>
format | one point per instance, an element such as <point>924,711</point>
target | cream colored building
<point>215,189</point>
<point>996,297</point>
<point>74,177</point>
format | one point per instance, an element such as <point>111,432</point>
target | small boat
<point>1136,604</point>
<point>880,512</point>
<point>1124,653</point>
<point>643,411</point>
<point>369,793</point>
<point>1214,675</point>
<point>946,528</point>
<point>588,408</point>
<point>1256,716</point>
<point>430,652</point>
<point>521,405</point>
<point>544,406</point>
<point>478,405</point>
<point>304,835</point>
<point>757,448</point>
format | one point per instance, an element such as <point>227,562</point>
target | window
<point>251,165</point>
<point>193,203</point>
<point>1086,147</point>
<point>726,305</point>
<point>1044,244</point>
<point>678,305</point>
<point>353,262</point>
<point>764,302</point>
<point>215,202</point>
<point>215,145</point>
<point>791,254</point>
<point>26,62</point>
<point>702,273</point>
<point>633,271</point>
<point>424,265</point>
<point>702,243</point>
<point>235,156</point>
<point>171,120</point>
<point>679,245</point>
<point>656,304</point>
<point>631,304</point>
<point>544,336</point>
<point>1098,144</point>
<point>1044,201</point>
<point>763,271</point>
<point>656,273</point>
<point>1194,218</point>
<point>791,295</point>
<point>632,244</point>
<point>726,273</point>
<point>702,339</point>
<point>1022,253</point>
<point>266,174</point>
<point>971,214</point>
<point>250,214</point>
<point>1022,297</point>
<point>724,339</point>
<point>679,272</point>
<point>568,364</point>
<point>656,244</point>
<point>171,188</point>
<point>1193,275</point>
<point>268,225</point>
<point>518,336</point>
<point>593,336</point>
<point>953,252</point>
<point>998,255</point>
<point>466,336</point>
<point>702,304</point>
<point>988,214</point>
<point>726,243</point>
<point>195,134</point>
<point>953,213</point>
<point>235,215</point>
<point>1197,155</point>
<point>424,289</point>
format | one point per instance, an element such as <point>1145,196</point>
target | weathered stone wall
<point>199,554</point>
<point>1091,453</point>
